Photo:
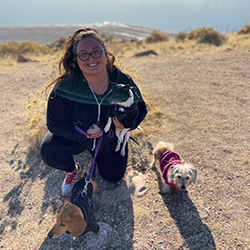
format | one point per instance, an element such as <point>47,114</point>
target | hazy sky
<point>171,15</point>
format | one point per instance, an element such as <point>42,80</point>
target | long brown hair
<point>68,67</point>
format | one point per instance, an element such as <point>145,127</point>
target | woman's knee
<point>112,177</point>
<point>47,154</point>
<point>57,152</point>
<point>112,166</point>
<point>52,153</point>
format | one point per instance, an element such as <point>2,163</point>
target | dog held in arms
<point>174,173</point>
<point>77,215</point>
<point>125,109</point>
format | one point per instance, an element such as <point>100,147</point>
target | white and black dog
<point>124,107</point>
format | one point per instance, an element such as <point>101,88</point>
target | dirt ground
<point>198,102</point>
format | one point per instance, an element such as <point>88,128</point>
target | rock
<point>98,241</point>
<point>146,53</point>
<point>22,59</point>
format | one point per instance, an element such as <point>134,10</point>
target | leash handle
<point>84,133</point>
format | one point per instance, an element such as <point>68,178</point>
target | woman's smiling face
<point>91,66</point>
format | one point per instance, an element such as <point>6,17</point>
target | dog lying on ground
<point>175,174</point>
<point>77,215</point>
<point>125,109</point>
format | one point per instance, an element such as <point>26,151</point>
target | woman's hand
<point>94,131</point>
<point>117,123</point>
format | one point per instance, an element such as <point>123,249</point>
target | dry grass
<point>156,37</point>
<point>232,41</point>
<point>207,36</point>
<point>201,39</point>
<point>180,36</point>
<point>245,30</point>
<point>13,48</point>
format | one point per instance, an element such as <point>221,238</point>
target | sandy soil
<point>198,102</point>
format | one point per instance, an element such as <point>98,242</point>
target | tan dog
<point>76,216</point>
<point>174,173</point>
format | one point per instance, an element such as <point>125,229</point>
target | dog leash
<point>134,140</point>
<point>91,170</point>
<point>88,178</point>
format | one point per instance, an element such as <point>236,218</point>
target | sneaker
<point>68,183</point>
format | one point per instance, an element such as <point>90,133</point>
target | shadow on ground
<point>112,205</point>
<point>30,169</point>
<point>197,235</point>
<point>113,211</point>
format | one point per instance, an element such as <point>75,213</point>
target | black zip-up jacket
<point>74,103</point>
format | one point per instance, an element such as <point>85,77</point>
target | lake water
<point>222,15</point>
<point>168,15</point>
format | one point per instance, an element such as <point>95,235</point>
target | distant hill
<point>49,34</point>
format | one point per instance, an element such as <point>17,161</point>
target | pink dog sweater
<point>167,159</point>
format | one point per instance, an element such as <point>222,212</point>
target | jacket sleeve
<point>142,114</point>
<point>141,105</point>
<point>58,119</point>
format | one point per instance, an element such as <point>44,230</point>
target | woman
<point>79,97</point>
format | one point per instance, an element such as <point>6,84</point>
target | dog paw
<point>123,152</point>
<point>117,147</point>
<point>120,140</point>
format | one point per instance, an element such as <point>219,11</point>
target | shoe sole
<point>66,195</point>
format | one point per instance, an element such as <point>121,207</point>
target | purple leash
<point>84,133</point>
<point>99,142</point>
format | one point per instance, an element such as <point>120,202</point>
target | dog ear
<point>172,173</point>
<point>193,173</point>
<point>78,224</point>
<point>126,86</point>
<point>136,92</point>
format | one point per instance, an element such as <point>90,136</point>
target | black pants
<point>57,152</point>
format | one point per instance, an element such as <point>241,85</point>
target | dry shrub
<point>37,108</point>
<point>180,36</point>
<point>207,35</point>
<point>36,116</point>
<point>244,30</point>
<point>157,36</point>
<point>14,48</point>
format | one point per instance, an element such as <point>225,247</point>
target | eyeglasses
<point>83,56</point>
